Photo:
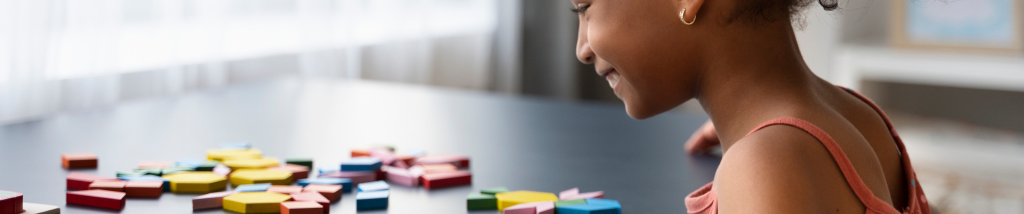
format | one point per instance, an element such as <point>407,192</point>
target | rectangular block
<point>11,202</point>
<point>298,171</point>
<point>166,185</point>
<point>253,187</point>
<point>457,160</point>
<point>111,185</point>
<point>355,177</point>
<point>361,164</point>
<point>403,177</point>
<point>331,192</point>
<point>210,201</point>
<point>437,168</point>
<point>81,160</point>
<point>373,186</point>
<point>372,200</point>
<point>494,190</point>
<point>345,183</point>
<point>207,166</point>
<point>285,189</point>
<point>307,162</point>
<point>313,197</point>
<point>144,189</point>
<point>301,207</point>
<point>31,208</point>
<point>448,179</point>
<point>97,198</point>
<point>478,201</point>
<point>77,180</point>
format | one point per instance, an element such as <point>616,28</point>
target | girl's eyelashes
<point>580,8</point>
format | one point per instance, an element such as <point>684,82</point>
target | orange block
<point>301,207</point>
<point>331,192</point>
<point>360,153</point>
<point>284,189</point>
<point>81,160</point>
<point>146,189</point>
<point>110,185</point>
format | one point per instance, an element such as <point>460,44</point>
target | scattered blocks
<point>313,197</point>
<point>592,206</point>
<point>355,177</point>
<point>361,164</point>
<point>211,200</point>
<point>154,164</point>
<point>344,182</point>
<point>574,193</point>
<point>301,207</point>
<point>255,202</point>
<point>256,176</point>
<point>331,192</point>
<point>508,199</point>
<point>457,160</point>
<point>146,189</point>
<point>494,190</point>
<point>221,154</point>
<point>196,182</point>
<point>308,162</point>
<point>31,208</point>
<point>544,207</point>
<point>78,180</point>
<point>285,189</point>
<point>111,185</point>
<point>97,198</point>
<point>480,201</point>
<point>83,160</point>
<point>298,171</point>
<point>372,200</point>
<point>403,177</point>
<point>260,163</point>
<point>374,186</point>
<point>253,188</point>
<point>11,202</point>
<point>448,179</point>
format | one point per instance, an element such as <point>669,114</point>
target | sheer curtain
<point>67,54</point>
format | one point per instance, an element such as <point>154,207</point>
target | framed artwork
<point>958,24</point>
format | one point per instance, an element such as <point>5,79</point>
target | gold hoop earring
<point>683,17</point>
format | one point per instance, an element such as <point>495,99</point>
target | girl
<point>792,142</point>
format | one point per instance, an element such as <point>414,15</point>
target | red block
<point>313,197</point>
<point>116,186</point>
<point>298,171</point>
<point>458,160</point>
<point>79,160</point>
<point>78,180</point>
<point>301,207</point>
<point>97,198</point>
<point>447,179</point>
<point>11,202</point>
<point>148,189</point>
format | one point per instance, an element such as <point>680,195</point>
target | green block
<point>308,162</point>
<point>208,166</point>
<point>130,173</point>
<point>154,171</point>
<point>495,190</point>
<point>569,202</point>
<point>478,201</point>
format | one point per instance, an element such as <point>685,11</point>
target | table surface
<point>518,142</point>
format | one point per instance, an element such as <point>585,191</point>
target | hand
<point>703,139</point>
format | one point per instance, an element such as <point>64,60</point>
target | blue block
<point>361,164</point>
<point>593,206</point>
<point>252,188</point>
<point>372,200</point>
<point>167,184</point>
<point>346,184</point>
<point>373,186</point>
<point>235,145</point>
<point>328,169</point>
<point>190,162</point>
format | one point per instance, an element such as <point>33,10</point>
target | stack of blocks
<point>372,195</point>
<point>529,202</point>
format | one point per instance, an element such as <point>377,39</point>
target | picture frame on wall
<point>991,25</point>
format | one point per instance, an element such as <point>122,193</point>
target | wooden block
<point>593,206</point>
<point>374,186</point>
<point>403,177</point>
<point>570,202</point>
<point>166,184</point>
<point>478,201</point>
<point>221,154</point>
<point>253,188</point>
<point>298,171</point>
<point>361,164</point>
<point>360,153</point>
<point>77,180</point>
<point>355,177</point>
<point>283,189</point>
<point>494,190</point>
<point>222,170</point>
<point>574,193</point>
<point>31,208</point>
<point>313,197</point>
<point>331,192</point>
<point>174,169</point>
<point>210,200</point>
<point>437,168</point>
<point>112,185</point>
<point>259,176</point>
<point>544,207</point>
<point>260,163</point>
<point>144,189</point>
<point>97,198</point>
<point>344,182</point>
<point>372,200</point>
<point>154,164</point>
<point>255,202</point>
<point>328,169</point>
<point>568,193</point>
<point>11,202</point>
<point>457,160</point>
<point>301,207</point>
<point>196,182</point>
<point>307,162</point>
<point>386,157</point>
<point>209,165</point>
<point>447,179</point>
<point>508,199</point>
<point>82,160</point>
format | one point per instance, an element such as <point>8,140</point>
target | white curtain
<point>67,54</point>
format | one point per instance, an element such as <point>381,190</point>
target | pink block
<point>210,201</point>
<point>544,207</point>
<point>574,193</point>
<point>403,176</point>
<point>221,169</point>
<point>386,157</point>
<point>457,160</point>
<point>356,177</point>
<point>568,193</point>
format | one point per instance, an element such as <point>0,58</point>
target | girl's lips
<point>613,78</point>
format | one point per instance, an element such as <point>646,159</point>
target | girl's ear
<point>692,7</point>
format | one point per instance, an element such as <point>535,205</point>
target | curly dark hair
<point>773,10</point>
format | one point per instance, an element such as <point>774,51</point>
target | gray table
<point>521,143</point>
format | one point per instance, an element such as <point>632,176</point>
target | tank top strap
<point>873,204</point>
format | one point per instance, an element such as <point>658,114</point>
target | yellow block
<point>508,199</point>
<point>220,154</point>
<point>196,182</point>
<point>244,163</point>
<point>258,176</point>
<point>255,202</point>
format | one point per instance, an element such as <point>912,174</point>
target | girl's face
<point>649,57</point>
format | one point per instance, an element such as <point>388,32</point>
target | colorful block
<point>508,199</point>
<point>372,200</point>
<point>458,160</point>
<point>361,164</point>
<point>208,166</point>
<point>298,171</point>
<point>221,154</point>
<point>355,177</point>
<point>131,173</point>
<point>257,176</point>
<point>494,190</point>
<point>81,160</point>
<point>97,198</point>
<point>11,202</point>
<point>210,200</point>
<point>544,207</point>
<point>308,162</point>
<point>222,170</point>
<point>146,189</point>
<point>435,168</point>
<point>78,180</point>
<point>301,207</point>
<point>328,169</point>
<point>196,182</point>
<point>447,179</point>
<point>344,182</point>
<point>360,153</point>
<point>154,164</point>
<point>260,163</point>
<point>112,185</point>
<point>166,184</point>
<point>284,189</point>
<point>593,206</point>
<point>570,202</point>
<point>313,197</point>
<point>255,202</point>
<point>373,186</point>
<point>174,169</point>
<point>252,187</point>
<point>574,193</point>
<point>402,176</point>
<point>31,208</point>
<point>478,201</point>
<point>331,192</point>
